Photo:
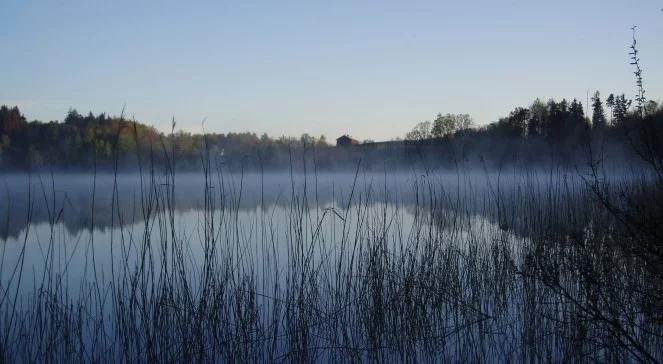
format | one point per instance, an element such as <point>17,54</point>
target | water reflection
<point>68,199</point>
<point>473,254</point>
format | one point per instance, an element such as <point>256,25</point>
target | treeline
<point>566,121</point>
<point>81,141</point>
<point>553,121</point>
<point>529,137</point>
<point>557,131</point>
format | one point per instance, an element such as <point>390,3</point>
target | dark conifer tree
<point>598,114</point>
<point>622,104</point>
<point>576,115</point>
<point>558,117</point>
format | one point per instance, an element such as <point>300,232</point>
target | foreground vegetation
<point>525,267</point>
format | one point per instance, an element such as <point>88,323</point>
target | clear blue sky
<point>369,68</point>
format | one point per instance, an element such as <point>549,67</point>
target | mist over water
<point>56,211</point>
<point>67,199</point>
<point>462,250</point>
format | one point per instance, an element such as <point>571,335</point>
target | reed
<point>497,268</point>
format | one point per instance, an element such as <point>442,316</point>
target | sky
<point>372,69</point>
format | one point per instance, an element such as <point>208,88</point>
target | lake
<point>460,266</point>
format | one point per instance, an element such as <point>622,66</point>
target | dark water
<point>408,267</point>
<point>52,221</point>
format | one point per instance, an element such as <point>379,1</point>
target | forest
<point>528,136</point>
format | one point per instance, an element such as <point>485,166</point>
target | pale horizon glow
<point>371,69</point>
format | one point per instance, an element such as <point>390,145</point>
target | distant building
<point>345,140</point>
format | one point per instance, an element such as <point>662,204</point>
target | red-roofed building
<point>346,140</point>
